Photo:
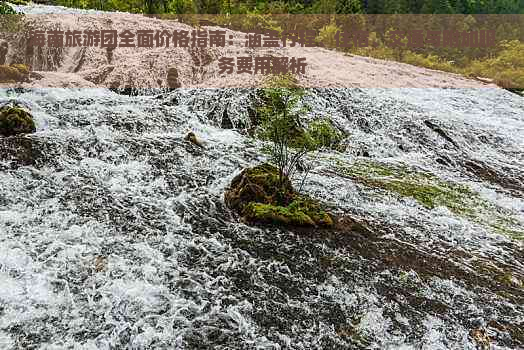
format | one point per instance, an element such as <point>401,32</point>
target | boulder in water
<point>258,184</point>
<point>259,196</point>
<point>15,121</point>
<point>191,137</point>
<point>172,78</point>
<point>302,211</point>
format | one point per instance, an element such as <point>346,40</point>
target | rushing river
<point>114,233</point>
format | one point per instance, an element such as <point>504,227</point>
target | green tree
<point>280,113</point>
<point>10,20</point>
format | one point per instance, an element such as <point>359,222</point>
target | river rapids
<point>114,233</point>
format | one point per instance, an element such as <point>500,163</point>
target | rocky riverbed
<point>114,233</point>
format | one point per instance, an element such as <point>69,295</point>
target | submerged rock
<point>191,137</point>
<point>259,196</point>
<point>172,78</point>
<point>15,121</point>
<point>4,49</point>
<point>16,151</point>
<point>440,132</point>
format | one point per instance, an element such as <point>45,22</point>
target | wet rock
<point>14,72</point>
<point>17,150</point>
<point>23,150</point>
<point>512,332</point>
<point>348,224</point>
<point>191,137</point>
<point>226,121</point>
<point>172,78</point>
<point>131,91</point>
<point>440,132</point>
<point>35,76</point>
<point>519,92</point>
<point>173,101</point>
<point>363,153</point>
<point>504,176</point>
<point>258,184</point>
<point>99,75</point>
<point>259,196</point>
<point>4,49</point>
<point>15,121</point>
<point>481,338</point>
<point>444,160</point>
<point>364,125</point>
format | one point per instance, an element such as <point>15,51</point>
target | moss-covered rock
<point>509,280</point>
<point>14,72</point>
<point>259,197</point>
<point>275,214</point>
<point>15,121</point>
<point>302,211</point>
<point>325,134</point>
<point>9,73</point>
<point>22,68</point>
<point>430,192</point>
<point>259,184</point>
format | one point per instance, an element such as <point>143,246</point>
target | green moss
<point>260,184</point>
<point>507,279</point>
<point>325,134</point>
<point>14,72</point>
<point>10,73</point>
<point>260,195</point>
<point>5,9</point>
<point>272,214</point>
<point>21,68</point>
<point>312,209</point>
<point>301,212</point>
<point>426,189</point>
<point>282,81</point>
<point>431,192</point>
<point>14,121</point>
<point>429,195</point>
